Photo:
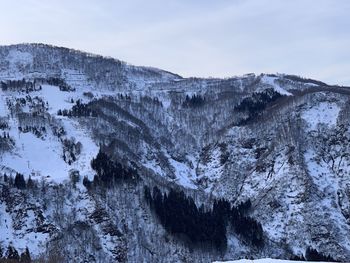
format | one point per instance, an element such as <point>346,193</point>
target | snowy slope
<point>290,158</point>
<point>271,81</point>
<point>324,113</point>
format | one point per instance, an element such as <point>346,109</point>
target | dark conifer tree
<point>25,256</point>
<point>313,255</point>
<point>30,183</point>
<point>86,182</point>
<point>20,183</point>
<point>110,172</point>
<point>5,178</point>
<point>12,253</point>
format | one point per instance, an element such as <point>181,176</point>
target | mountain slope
<point>279,142</point>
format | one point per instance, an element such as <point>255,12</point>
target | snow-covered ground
<point>43,156</point>
<point>35,241</point>
<point>271,81</point>
<point>325,113</point>
<point>264,260</point>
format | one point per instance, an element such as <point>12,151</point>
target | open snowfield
<point>264,260</point>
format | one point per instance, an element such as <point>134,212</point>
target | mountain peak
<point>131,157</point>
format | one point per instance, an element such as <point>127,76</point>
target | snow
<point>17,57</point>
<point>212,169</point>
<point>17,61</point>
<point>325,113</point>
<point>56,99</point>
<point>154,166</point>
<point>320,172</point>
<point>264,260</point>
<point>37,156</point>
<point>89,147</point>
<point>183,173</point>
<point>43,157</point>
<point>3,107</point>
<point>76,79</point>
<point>271,81</point>
<point>21,239</point>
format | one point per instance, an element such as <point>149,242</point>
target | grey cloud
<point>195,38</point>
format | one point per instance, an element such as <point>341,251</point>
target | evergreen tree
<point>86,182</point>
<point>30,183</point>
<point>20,183</point>
<point>313,255</point>
<point>12,253</point>
<point>25,256</point>
<point>5,178</point>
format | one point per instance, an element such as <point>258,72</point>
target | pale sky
<point>200,38</point>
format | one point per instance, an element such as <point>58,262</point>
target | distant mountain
<point>103,161</point>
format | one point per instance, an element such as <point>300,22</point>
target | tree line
<point>180,215</point>
<point>193,101</point>
<point>256,103</point>
<point>12,255</point>
<point>109,172</point>
<point>78,110</point>
<point>312,254</point>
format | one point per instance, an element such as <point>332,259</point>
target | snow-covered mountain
<point>275,147</point>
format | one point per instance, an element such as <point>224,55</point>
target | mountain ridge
<point>50,46</point>
<point>88,134</point>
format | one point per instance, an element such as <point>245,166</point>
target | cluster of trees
<point>6,142</point>
<point>71,150</point>
<point>148,101</point>
<point>124,97</point>
<point>255,104</point>
<point>19,182</point>
<point>36,106</point>
<point>109,172</point>
<point>78,110</point>
<point>63,86</point>
<point>312,254</point>
<point>4,125</point>
<point>194,101</point>
<point>247,228</point>
<point>304,80</point>
<point>19,85</point>
<point>12,255</point>
<point>332,146</point>
<point>5,135</point>
<point>37,131</point>
<point>58,131</point>
<point>180,215</point>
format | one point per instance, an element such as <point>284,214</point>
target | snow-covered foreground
<point>264,260</point>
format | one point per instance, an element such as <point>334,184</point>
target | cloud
<point>195,38</point>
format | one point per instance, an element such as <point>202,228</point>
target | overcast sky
<point>203,38</point>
